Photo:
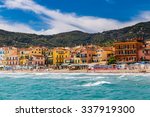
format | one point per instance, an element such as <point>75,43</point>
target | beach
<point>77,71</point>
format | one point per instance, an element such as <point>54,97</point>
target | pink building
<point>144,53</point>
<point>38,60</point>
<point>12,57</point>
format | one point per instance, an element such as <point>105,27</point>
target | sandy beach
<point>77,71</point>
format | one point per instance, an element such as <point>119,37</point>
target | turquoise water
<point>74,86</point>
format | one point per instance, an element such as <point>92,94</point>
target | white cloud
<point>15,27</point>
<point>63,22</point>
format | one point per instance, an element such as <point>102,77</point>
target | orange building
<point>128,51</point>
<point>87,53</point>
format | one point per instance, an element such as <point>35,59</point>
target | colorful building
<point>103,54</point>
<point>6,52</point>
<point>37,61</point>
<point>24,55</point>
<point>2,56</point>
<point>49,57</point>
<point>38,50</point>
<point>12,57</point>
<point>127,52</point>
<point>144,52</point>
<point>73,60</point>
<point>86,53</point>
<point>59,55</point>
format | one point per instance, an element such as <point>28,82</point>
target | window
<point>133,46</point>
<point>124,46</point>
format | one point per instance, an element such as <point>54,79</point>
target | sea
<point>74,86</point>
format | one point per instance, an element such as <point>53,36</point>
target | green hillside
<point>75,37</point>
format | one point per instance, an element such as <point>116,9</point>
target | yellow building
<point>59,55</point>
<point>73,60</point>
<point>103,54</point>
<point>24,54</point>
<point>49,55</point>
<point>77,60</point>
<point>44,50</point>
<point>38,50</point>
<point>35,51</point>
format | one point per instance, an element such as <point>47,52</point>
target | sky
<point>49,17</point>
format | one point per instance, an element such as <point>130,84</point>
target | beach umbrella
<point>143,62</point>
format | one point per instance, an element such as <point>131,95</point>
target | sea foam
<point>96,83</point>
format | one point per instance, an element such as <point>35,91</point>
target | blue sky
<point>57,16</point>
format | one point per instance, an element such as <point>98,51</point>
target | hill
<point>75,37</point>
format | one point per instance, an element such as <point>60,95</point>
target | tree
<point>112,60</point>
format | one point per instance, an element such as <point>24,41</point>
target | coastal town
<point>132,55</point>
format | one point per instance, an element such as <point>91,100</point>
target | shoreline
<point>76,71</point>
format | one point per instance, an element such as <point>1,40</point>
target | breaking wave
<point>96,83</point>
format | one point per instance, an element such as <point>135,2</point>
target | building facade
<point>59,55</point>
<point>2,56</point>
<point>127,52</point>
<point>37,61</point>
<point>144,52</point>
<point>12,57</point>
<point>103,54</point>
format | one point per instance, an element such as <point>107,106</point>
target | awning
<point>1,65</point>
<point>78,65</point>
<point>65,64</point>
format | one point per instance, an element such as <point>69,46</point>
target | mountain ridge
<point>74,38</point>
